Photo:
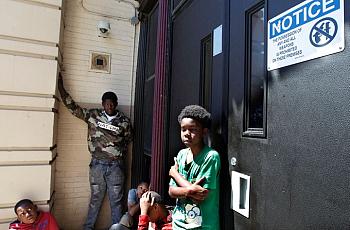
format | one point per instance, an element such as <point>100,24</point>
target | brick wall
<point>71,184</point>
<point>86,87</point>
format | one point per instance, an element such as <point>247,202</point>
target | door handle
<point>233,161</point>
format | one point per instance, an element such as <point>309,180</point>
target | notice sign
<point>312,29</point>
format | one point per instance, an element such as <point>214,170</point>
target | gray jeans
<point>105,175</point>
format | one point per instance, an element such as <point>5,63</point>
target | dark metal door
<point>144,98</point>
<point>295,146</point>
<point>197,77</point>
<point>194,80</point>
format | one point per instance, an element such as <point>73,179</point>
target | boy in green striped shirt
<point>195,174</point>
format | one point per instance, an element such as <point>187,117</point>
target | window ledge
<point>254,133</point>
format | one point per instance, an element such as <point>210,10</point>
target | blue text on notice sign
<point>305,13</point>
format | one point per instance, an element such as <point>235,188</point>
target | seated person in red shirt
<point>154,211</point>
<point>29,218</point>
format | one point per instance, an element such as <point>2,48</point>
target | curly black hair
<point>110,95</point>
<point>197,113</point>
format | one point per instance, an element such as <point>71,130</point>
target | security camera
<point>104,27</point>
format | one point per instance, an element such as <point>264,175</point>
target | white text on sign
<point>302,15</point>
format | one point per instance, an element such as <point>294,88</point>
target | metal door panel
<point>300,172</point>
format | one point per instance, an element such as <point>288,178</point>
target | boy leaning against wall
<point>29,217</point>
<point>195,174</point>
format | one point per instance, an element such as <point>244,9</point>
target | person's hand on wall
<point>61,86</point>
<point>60,80</point>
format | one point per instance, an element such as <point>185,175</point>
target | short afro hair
<point>110,95</point>
<point>23,202</point>
<point>197,113</point>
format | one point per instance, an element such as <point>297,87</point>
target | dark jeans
<point>105,175</point>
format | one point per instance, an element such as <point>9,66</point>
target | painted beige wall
<point>86,87</point>
<point>29,35</point>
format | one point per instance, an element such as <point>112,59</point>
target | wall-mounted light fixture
<point>104,27</point>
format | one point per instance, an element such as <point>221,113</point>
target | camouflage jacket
<point>105,139</point>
